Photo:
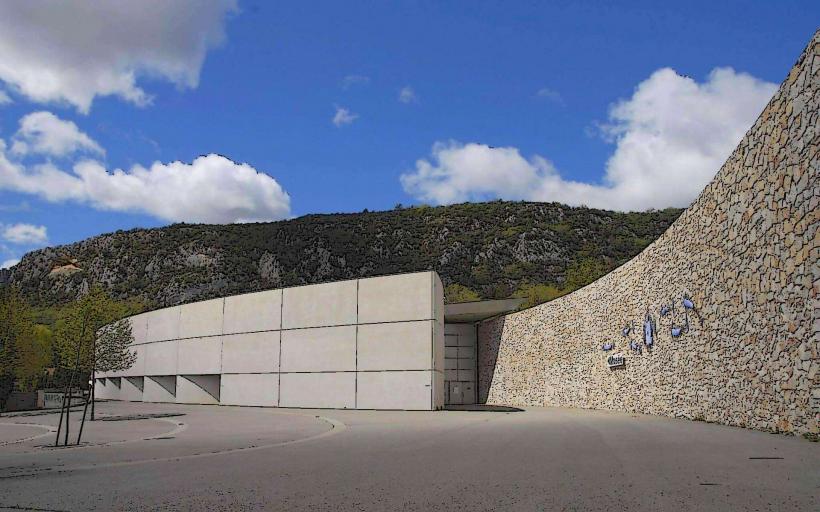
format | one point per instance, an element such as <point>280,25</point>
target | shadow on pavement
<point>482,408</point>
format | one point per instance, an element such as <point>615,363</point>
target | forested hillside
<point>481,250</point>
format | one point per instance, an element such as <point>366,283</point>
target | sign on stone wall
<point>616,361</point>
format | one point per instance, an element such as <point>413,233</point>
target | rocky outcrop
<point>744,256</point>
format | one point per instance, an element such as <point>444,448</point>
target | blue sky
<point>436,102</point>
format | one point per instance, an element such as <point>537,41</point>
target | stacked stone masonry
<point>746,252</point>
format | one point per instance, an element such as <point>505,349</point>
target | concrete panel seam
<point>279,362</point>
<point>356,342</point>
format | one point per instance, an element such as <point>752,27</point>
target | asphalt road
<point>231,458</point>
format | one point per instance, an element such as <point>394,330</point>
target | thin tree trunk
<point>71,380</point>
<point>93,388</point>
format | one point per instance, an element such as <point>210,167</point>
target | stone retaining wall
<point>746,253</point>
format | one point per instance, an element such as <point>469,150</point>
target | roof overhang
<point>469,312</point>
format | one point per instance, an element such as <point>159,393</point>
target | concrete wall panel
<point>256,352</point>
<point>395,390</point>
<point>161,358</point>
<point>260,390</point>
<point>396,346</point>
<point>438,346</point>
<point>201,318</point>
<point>253,312</point>
<point>198,389</point>
<point>139,328</point>
<point>311,334</point>
<point>162,324</point>
<point>459,329</point>
<point>160,389</point>
<point>200,356</point>
<point>396,298</point>
<point>319,305</point>
<point>319,350</point>
<point>106,389</point>
<point>438,390</point>
<point>318,390</point>
<point>131,388</point>
<point>138,368</point>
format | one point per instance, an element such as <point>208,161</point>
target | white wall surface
<point>319,305</point>
<point>160,389</point>
<point>198,389</point>
<point>253,312</point>
<point>131,389</point>
<point>161,358</point>
<point>396,298</point>
<point>201,318</point>
<point>259,389</point>
<point>256,352</point>
<point>107,389</point>
<point>395,390</point>
<point>396,346</point>
<point>139,328</point>
<point>309,346</point>
<point>163,324</point>
<point>200,356</point>
<point>318,390</point>
<point>323,349</point>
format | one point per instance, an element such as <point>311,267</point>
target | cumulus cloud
<point>407,95</point>
<point>343,116</point>
<point>24,234</point>
<point>5,99</point>
<point>211,189</point>
<point>670,139</point>
<point>9,263</point>
<point>47,134</point>
<point>72,52</point>
<point>351,80</point>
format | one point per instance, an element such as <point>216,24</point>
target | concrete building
<point>377,343</point>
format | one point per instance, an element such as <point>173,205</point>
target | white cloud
<point>24,234</point>
<point>549,94</point>
<point>670,137</point>
<point>45,133</point>
<point>9,263</point>
<point>5,99</point>
<point>351,80</point>
<point>71,52</point>
<point>343,116</point>
<point>407,95</point>
<point>210,189</point>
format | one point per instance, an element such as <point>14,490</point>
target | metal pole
<point>93,373</point>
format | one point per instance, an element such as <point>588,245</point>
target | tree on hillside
<point>459,293</point>
<point>536,294</point>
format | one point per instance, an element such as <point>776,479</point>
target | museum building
<point>385,342</point>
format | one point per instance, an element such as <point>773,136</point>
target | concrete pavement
<point>236,458</point>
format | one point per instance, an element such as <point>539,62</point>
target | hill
<point>481,250</point>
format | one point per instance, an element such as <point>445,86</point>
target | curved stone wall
<point>745,253</point>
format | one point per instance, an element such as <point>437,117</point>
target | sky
<point>117,115</point>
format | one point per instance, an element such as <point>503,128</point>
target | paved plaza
<point>189,457</point>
